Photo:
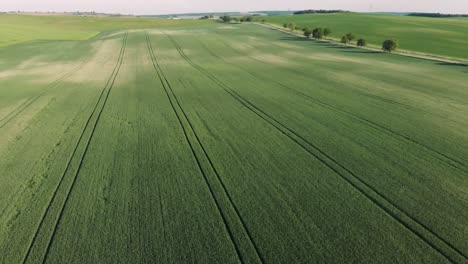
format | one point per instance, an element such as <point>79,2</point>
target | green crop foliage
<point>230,143</point>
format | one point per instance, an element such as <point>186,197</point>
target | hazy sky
<point>186,6</point>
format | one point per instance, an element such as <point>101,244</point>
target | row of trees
<point>320,33</point>
<point>321,11</point>
<point>317,33</point>
<point>346,39</point>
<point>227,19</point>
<point>388,45</point>
<point>206,17</point>
<point>436,15</point>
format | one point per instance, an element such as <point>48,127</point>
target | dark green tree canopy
<point>307,32</point>
<point>318,33</point>
<point>389,45</point>
<point>326,32</point>
<point>361,42</point>
<point>225,19</point>
<point>344,39</point>
<point>350,37</point>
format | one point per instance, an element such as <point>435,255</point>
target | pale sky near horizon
<point>139,7</point>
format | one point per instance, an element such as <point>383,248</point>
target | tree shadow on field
<point>347,49</point>
<point>362,51</point>
<point>462,67</point>
<point>452,64</point>
<point>293,39</point>
<point>342,48</point>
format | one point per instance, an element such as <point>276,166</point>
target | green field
<point>229,144</point>
<point>20,28</point>
<point>439,36</point>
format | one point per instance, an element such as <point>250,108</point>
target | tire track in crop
<point>393,102</point>
<point>369,95</point>
<point>175,103</point>
<point>403,138</point>
<point>28,102</point>
<point>439,244</point>
<point>89,125</point>
<point>389,132</point>
<point>84,62</point>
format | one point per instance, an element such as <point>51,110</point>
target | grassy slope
<point>169,182</point>
<point>444,36</point>
<point>20,28</point>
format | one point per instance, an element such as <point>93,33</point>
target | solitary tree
<point>326,32</point>
<point>389,45</point>
<point>292,26</point>
<point>350,37</point>
<point>307,32</point>
<point>362,42</point>
<point>249,19</point>
<point>344,40</point>
<point>285,25</point>
<point>317,33</point>
<point>263,20</point>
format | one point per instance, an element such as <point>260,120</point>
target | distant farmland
<point>439,36</point>
<point>20,28</point>
<point>225,143</point>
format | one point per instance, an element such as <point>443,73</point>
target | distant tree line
<point>321,11</point>
<point>78,13</point>
<point>436,15</point>
<point>206,17</point>
<point>227,19</point>
<point>245,19</point>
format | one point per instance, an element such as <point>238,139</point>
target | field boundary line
<point>28,102</point>
<point>167,86</point>
<point>87,125</point>
<point>404,53</point>
<point>355,181</point>
<point>389,132</point>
